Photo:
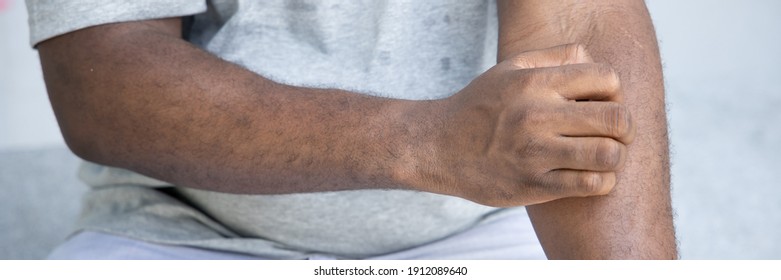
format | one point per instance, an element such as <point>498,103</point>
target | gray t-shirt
<point>400,49</point>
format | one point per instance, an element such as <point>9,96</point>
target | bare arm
<point>134,95</point>
<point>634,220</point>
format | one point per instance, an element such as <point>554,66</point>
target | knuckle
<point>547,186</point>
<point>519,81</point>
<point>573,152</point>
<point>536,78</point>
<point>535,117</point>
<point>610,77</point>
<point>577,52</point>
<point>534,148</point>
<point>529,118</point>
<point>590,182</point>
<point>517,118</point>
<point>525,79</point>
<point>520,61</point>
<point>617,120</point>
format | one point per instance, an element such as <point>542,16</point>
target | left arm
<point>634,220</point>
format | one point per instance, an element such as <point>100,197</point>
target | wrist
<point>418,125</point>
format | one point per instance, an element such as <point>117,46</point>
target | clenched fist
<point>539,126</point>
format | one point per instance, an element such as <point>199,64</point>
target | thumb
<point>551,57</point>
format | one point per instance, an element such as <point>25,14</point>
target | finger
<point>595,119</point>
<point>589,154</point>
<point>551,57</point>
<point>580,183</point>
<point>591,81</point>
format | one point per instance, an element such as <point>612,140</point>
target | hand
<point>539,126</point>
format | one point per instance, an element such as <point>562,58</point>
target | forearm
<point>634,220</point>
<point>136,96</point>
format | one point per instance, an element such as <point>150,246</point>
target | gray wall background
<point>723,76</point>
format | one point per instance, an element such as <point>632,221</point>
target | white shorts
<point>507,236</point>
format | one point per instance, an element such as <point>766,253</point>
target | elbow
<point>84,137</point>
<point>84,145</point>
<point>100,138</point>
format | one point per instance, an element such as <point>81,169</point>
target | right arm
<point>135,95</point>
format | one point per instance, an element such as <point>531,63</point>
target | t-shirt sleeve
<point>51,18</point>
